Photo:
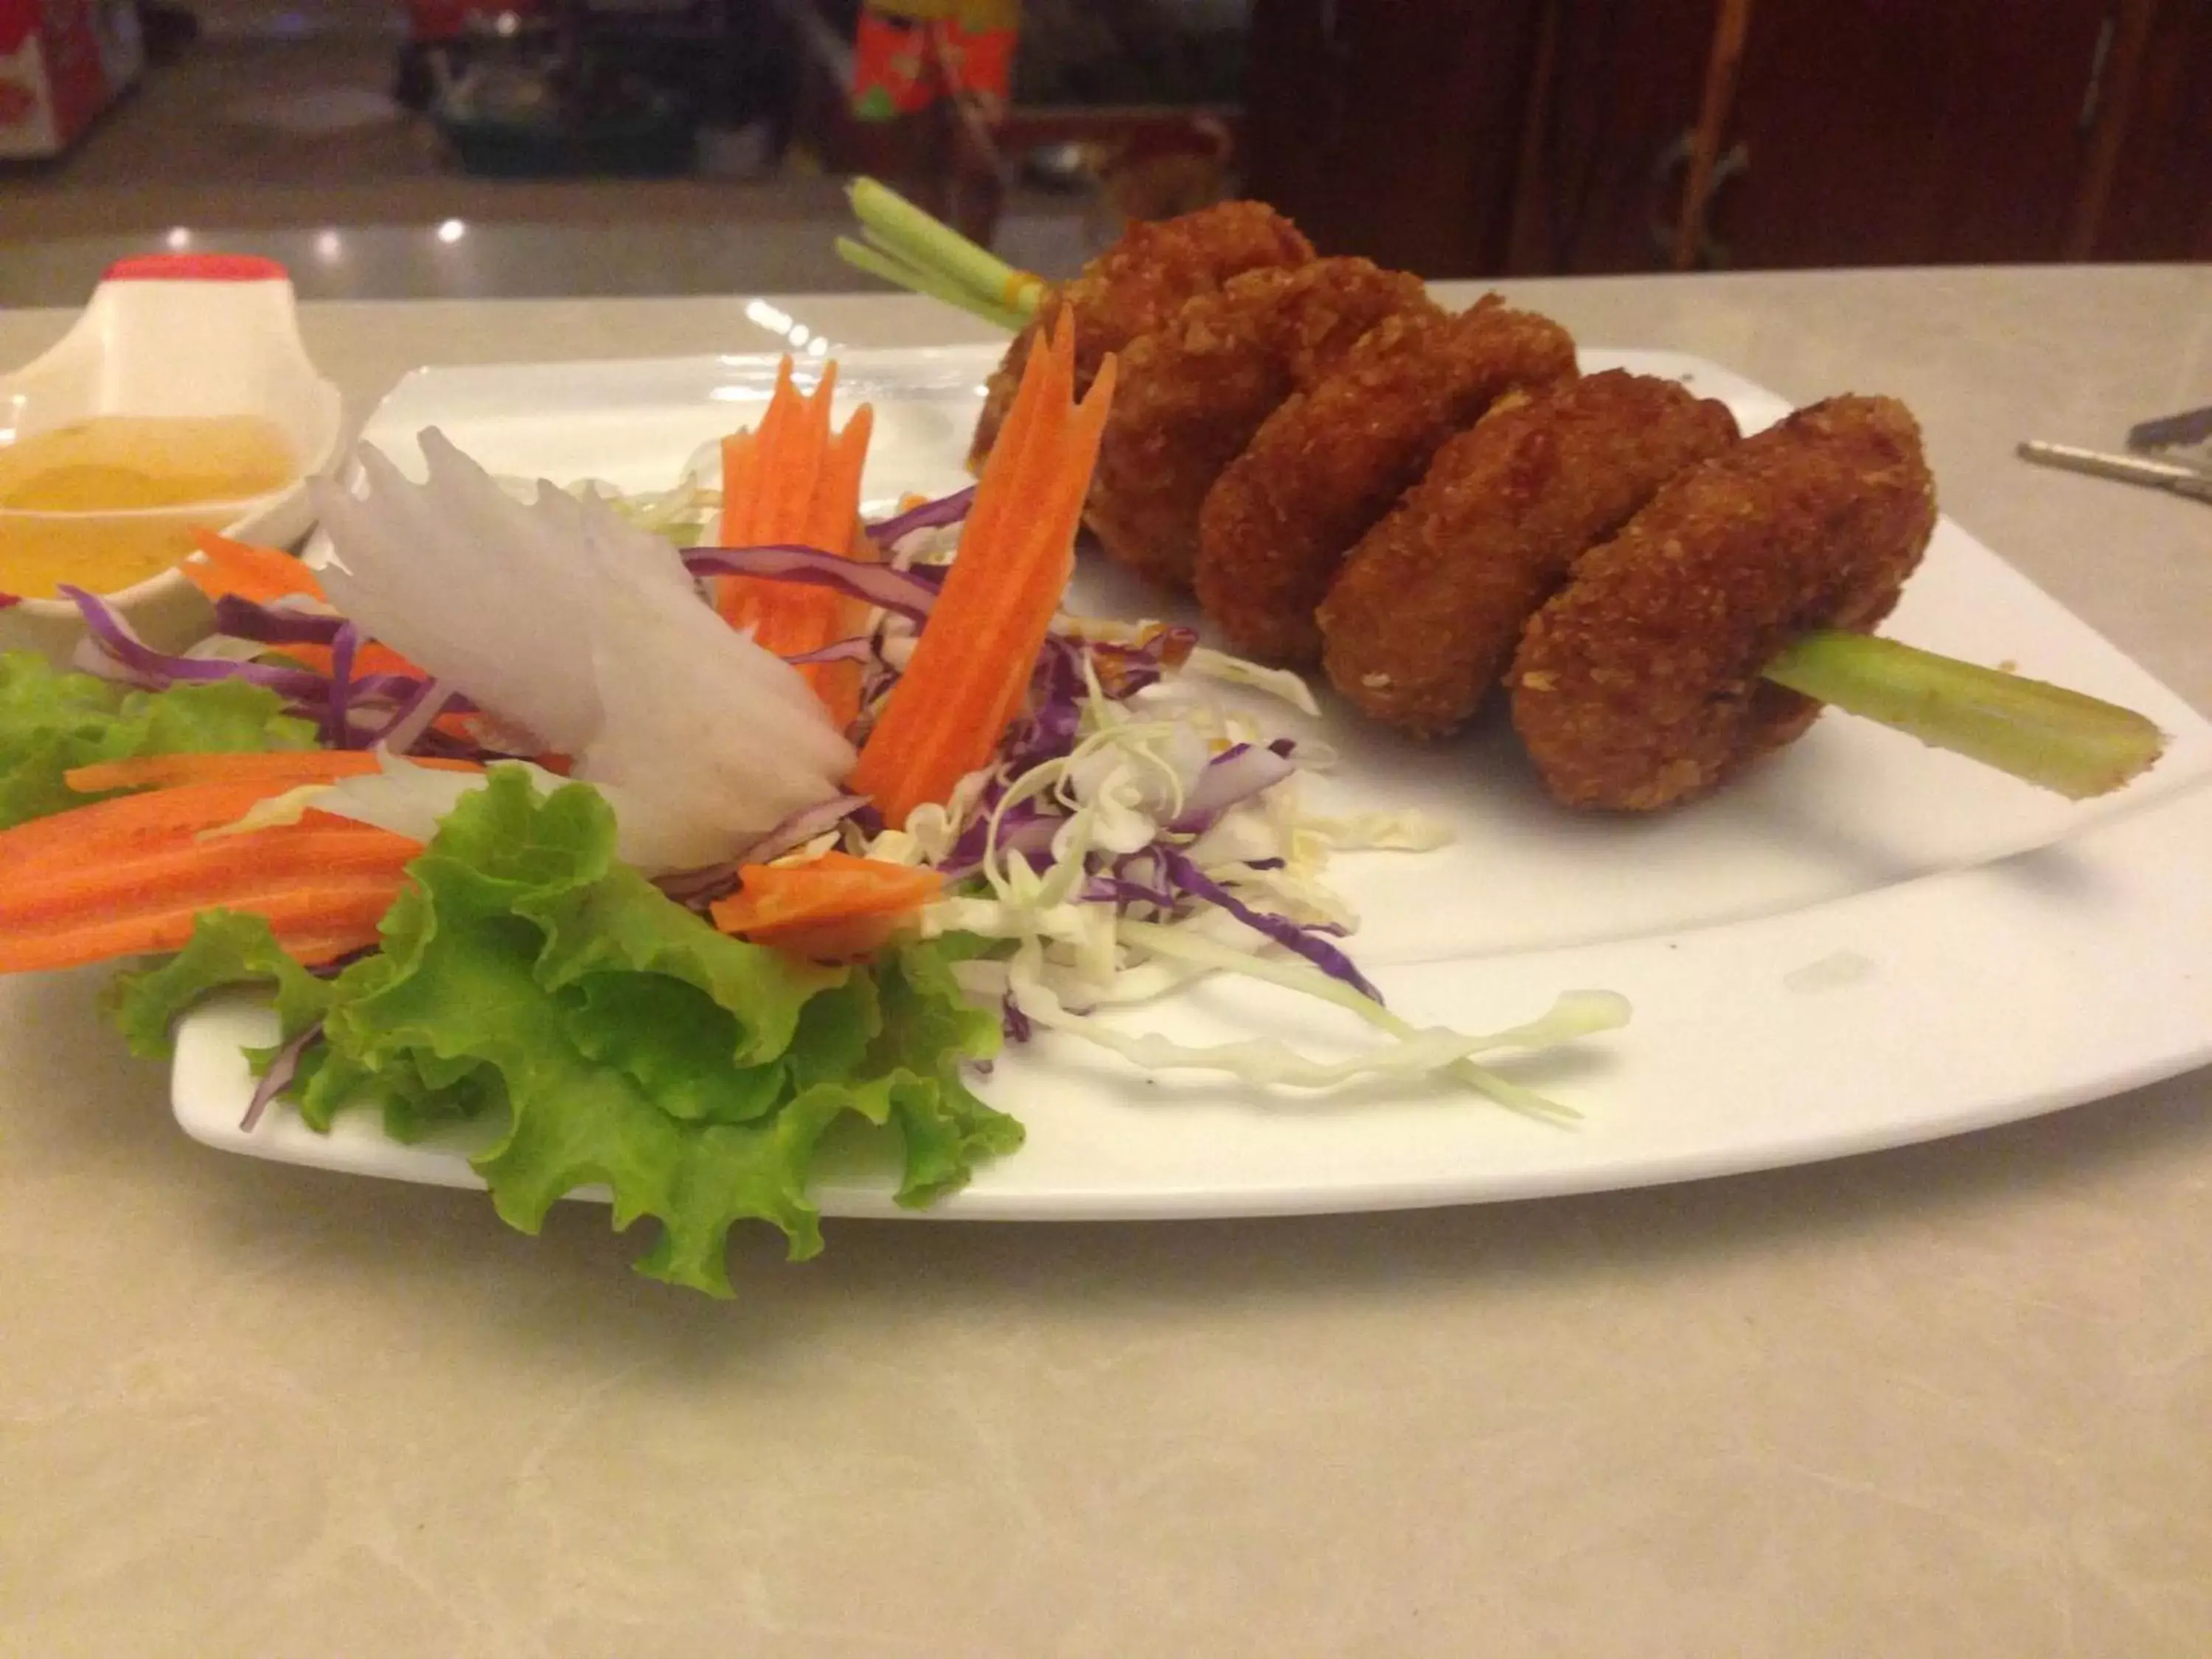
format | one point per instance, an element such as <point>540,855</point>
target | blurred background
<point>414,147</point>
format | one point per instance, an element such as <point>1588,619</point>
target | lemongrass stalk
<point>900,227</point>
<point>2062,740</point>
<point>900,274</point>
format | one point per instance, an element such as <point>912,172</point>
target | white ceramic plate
<point>1866,943</point>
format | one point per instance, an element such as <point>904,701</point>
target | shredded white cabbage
<point>1075,957</point>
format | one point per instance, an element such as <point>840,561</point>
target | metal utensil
<point>2187,437</point>
<point>2129,469</point>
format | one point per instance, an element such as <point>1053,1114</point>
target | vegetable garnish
<point>909,249</point>
<point>280,770</point>
<point>795,483</point>
<point>52,722</point>
<point>2077,745</point>
<point>531,982</point>
<point>223,569</point>
<point>588,635</point>
<point>947,714</point>
<point>830,907</point>
<point>759,906</point>
<point>129,874</point>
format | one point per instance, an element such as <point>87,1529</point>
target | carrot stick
<point>123,826</point>
<point>1052,555</point>
<point>202,874</point>
<point>1035,407</point>
<point>771,441</point>
<point>791,481</point>
<point>260,574</point>
<point>775,900</point>
<point>809,619</point>
<point>280,770</point>
<point>972,663</point>
<point>327,920</point>
<point>740,483</point>
<point>788,480</point>
<point>836,508</point>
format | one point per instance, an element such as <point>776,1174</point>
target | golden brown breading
<point>1329,462</point>
<point>1425,612</point>
<point>1191,393</point>
<point>1639,687</point>
<point>1137,284</point>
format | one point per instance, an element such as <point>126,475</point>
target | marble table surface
<point>1954,1399</point>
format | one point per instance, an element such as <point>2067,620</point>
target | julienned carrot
<point>1050,559</point>
<point>203,873</point>
<point>972,663</point>
<point>741,485</point>
<point>259,574</point>
<point>792,468</point>
<point>123,826</point>
<point>740,475</point>
<point>127,875</point>
<point>280,770</point>
<point>798,907</point>
<point>808,618</point>
<point>314,923</point>
<point>791,482</point>
<point>835,511</point>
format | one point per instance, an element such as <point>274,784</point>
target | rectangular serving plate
<point>1863,943</point>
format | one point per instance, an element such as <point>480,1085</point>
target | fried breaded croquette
<point>1638,686</point>
<point>1424,616</point>
<point>1137,284</point>
<point>1192,393</point>
<point>1329,461</point>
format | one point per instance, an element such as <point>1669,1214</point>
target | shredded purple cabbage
<point>1013,1021</point>
<point>1119,890</point>
<point>898,590</point>
<point>403,705</point>
<point>337,723</point>
<point>282,1068</point>
<point>930,515</point>
<point>1048,730</point>
<point>266,624</point>
<point>158,670</point>
<point>1187,876</point>
<point>1026,829</point>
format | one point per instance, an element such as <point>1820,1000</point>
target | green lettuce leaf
<point>226,948</point>
<point>946,1128</point>
<point>529,980</point>
<point>50,721</point>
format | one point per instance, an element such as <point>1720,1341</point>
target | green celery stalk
<point>915,280</point>
<point>900,227</point>
<point>2045,734</point>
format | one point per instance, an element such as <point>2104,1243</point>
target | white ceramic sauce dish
<point>169,335</point>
